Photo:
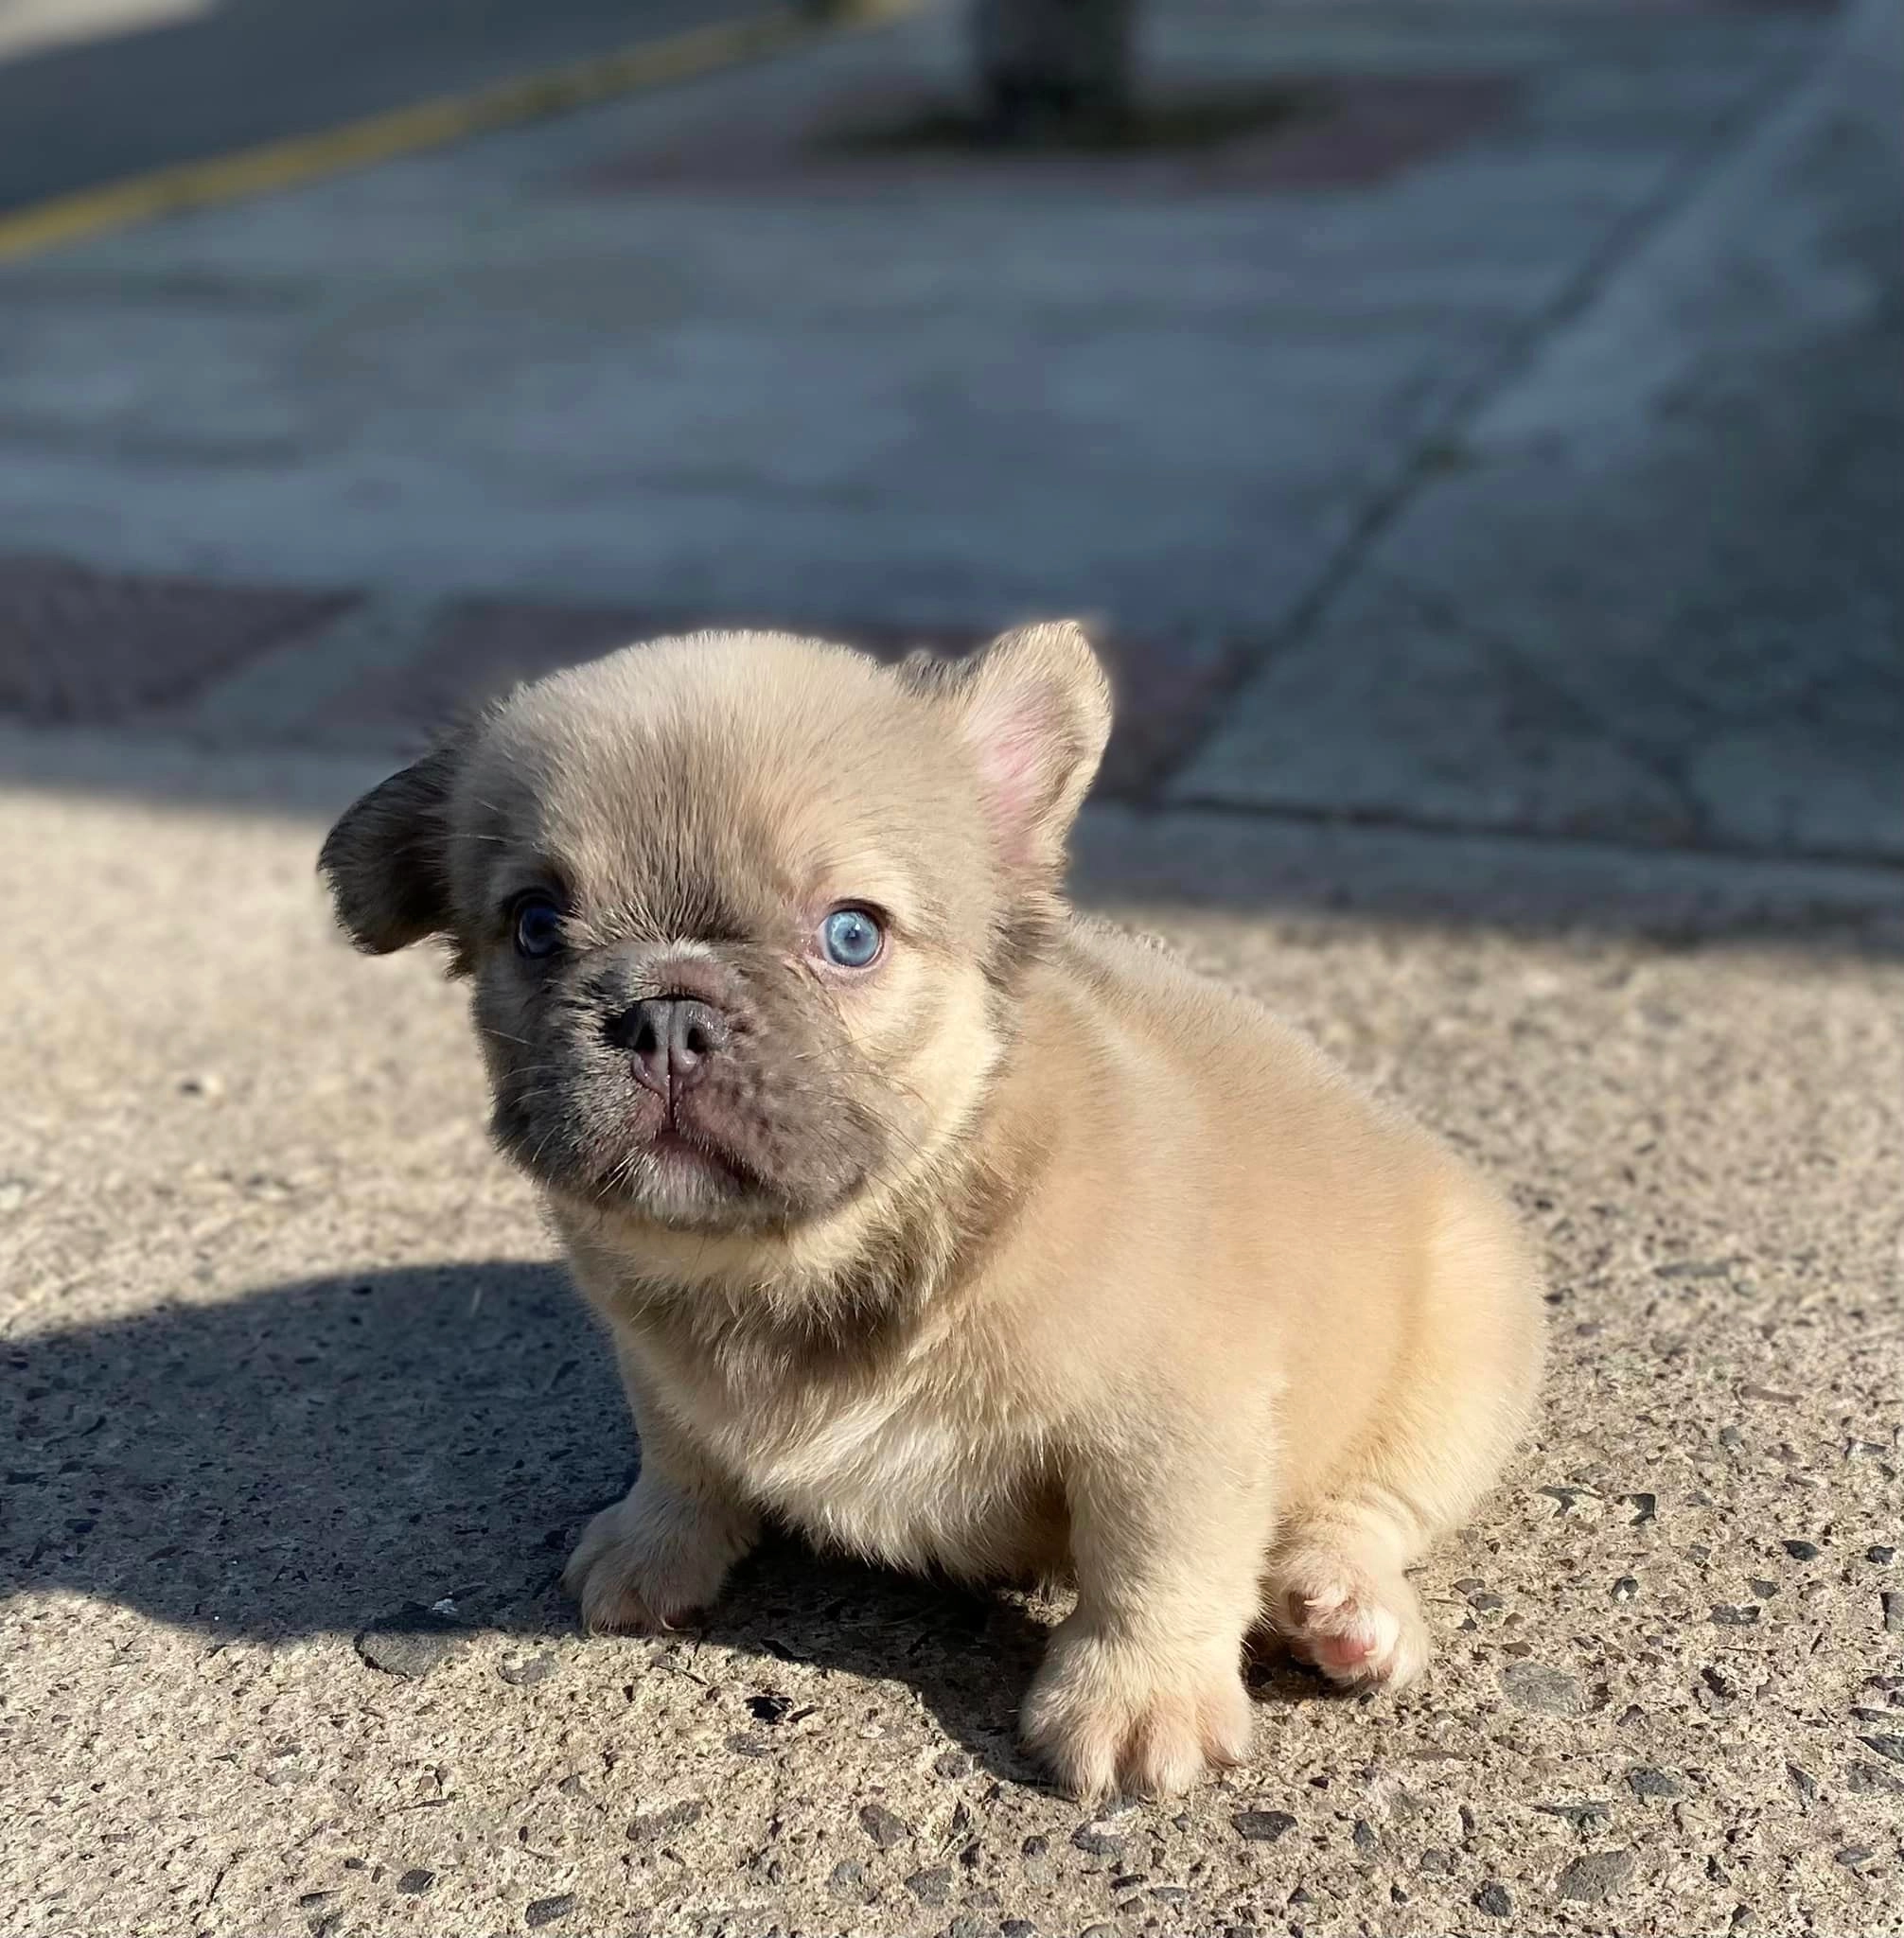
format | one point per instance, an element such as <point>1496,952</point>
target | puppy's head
<point>743,912</point>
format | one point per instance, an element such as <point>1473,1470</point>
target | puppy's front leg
<point>1142,1687</point>
<point>665,1548</point>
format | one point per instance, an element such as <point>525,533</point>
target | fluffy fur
<point>1023,1253</point>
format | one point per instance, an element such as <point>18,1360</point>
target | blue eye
<point>539,926</point>
<point>851,937</point>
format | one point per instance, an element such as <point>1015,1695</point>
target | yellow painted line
<point>304,158</point>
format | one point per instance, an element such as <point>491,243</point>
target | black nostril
<point>669,1038</point>
<point>697,1034</point>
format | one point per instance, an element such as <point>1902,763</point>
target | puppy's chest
<point>907,1476</point>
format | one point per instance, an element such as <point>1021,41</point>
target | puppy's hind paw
<point>1358,1628</point>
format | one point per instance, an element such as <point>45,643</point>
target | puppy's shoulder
<point>1124,966</point>
<point>1155,994</point>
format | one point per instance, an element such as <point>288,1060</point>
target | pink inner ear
<point>1012,733</point>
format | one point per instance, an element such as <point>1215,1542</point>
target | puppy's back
<point>1286,1215</point>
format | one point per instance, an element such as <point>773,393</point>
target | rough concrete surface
<point>1497,528</point>
<point>287,1370</point>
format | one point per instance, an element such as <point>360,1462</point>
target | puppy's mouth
<point>675,1168</point>
<point>742,1144</point>
<point>676,1151</point>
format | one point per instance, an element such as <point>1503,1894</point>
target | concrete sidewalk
<point>1554,350</point>
<point>1490,481</point>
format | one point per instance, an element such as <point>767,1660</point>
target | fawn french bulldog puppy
<point>951,1227</point>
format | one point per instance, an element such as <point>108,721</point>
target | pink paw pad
<point>1352,1635</point>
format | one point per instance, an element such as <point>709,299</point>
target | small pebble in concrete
<point>1624,1588</point>
<point>1802,1780</point>
<point>1596,1876</point>
<point>1892,1747</point>
<point>1893,1603</point>
<point>1729,1617</point>
<point>1494,1900</point>
<point>1263,1826</point>
<point>848,1875</point>
<point>1567,1498</point>
<point>1535,1685</point>
<point>1583,1817</point>
<point>933,1886</point>
<point>1096,1842</point>
<point>525,1675</point>
<point>548,1911</point>
<point>414,1883</point>
<point>953,1762</point>
<point>1802,1550</point>
<point>1435,1859</point>
<point>1852,1856</point>
<point>1882,1556</point>
<point>882,1826</point>
<point>651,1825</point>
<point>1718,1687</point>
<point>1017,1927</point>
<point>1762,1588</point>
<point>1644,1781</point>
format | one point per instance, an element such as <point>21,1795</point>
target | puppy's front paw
<point>1356,1625</point>
<point>645,1563</point>
<point>1105,1716</point>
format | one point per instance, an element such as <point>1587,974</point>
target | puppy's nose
<point>671,1038</point>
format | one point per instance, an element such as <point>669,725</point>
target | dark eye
<point>851,937</point>
<point>539,926</point>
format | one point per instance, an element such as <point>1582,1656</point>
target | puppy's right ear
<point>387,859</point>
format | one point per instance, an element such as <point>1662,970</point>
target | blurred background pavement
<point>1499,434</point>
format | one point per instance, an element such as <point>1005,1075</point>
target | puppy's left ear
<point>1034,708</point>
<point>387,859</point>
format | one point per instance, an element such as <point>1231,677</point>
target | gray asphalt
<point>78,114</point>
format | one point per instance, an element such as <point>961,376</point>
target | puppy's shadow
<point>317,1457</point>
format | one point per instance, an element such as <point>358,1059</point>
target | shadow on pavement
<point>319,1458</point>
